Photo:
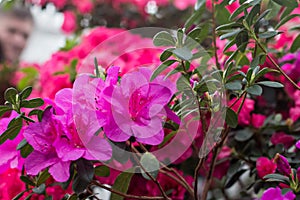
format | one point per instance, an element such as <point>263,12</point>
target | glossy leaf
<point>121,184</point>
<point>166,54</point>
<point>150,164</point>
<point>10,95</point>
<point>255,90</point>
<point>32,103</point>
<point>161,68</point>
<point>24,94</point>
<point>231,118</point>
<point>163,38</point>
<point>271,84</point>
<point>4,109</point>
<point>296,44</point>
<point>102,171</point>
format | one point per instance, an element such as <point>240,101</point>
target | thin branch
<point>214,34</point>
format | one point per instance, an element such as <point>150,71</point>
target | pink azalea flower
<point>10,184</point>
<point>282,138</point>
<point>264,166</point>
<point>83,6</point>
<point>69,24</point>
<point>137,107</point>
<point>275,194</point>
<point>42,136</point>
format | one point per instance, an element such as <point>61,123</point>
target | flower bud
<point>283,165</point>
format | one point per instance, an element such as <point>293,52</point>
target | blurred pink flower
<point>257,120</point>
<point>83,6</point>
<point>69,23</point>
<point>10,184</point>
<point>276,194</point>
<point>283,165</point>
<point>264,166</point>
<point>137,107</point>
<point>282,138</point>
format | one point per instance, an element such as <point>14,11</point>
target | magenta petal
<point>60,171</point>
<point>115,133</point>
<point>37,161</point>
<point>98,148</point>
<point>67,151</point>
<point>63,100</point>
<point>172,116</point>
<point>298,144</point>
<point>153,140</point>
<point>112,75</point>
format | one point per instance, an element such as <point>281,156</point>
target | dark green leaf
<point>85,169</point>
<point>231,25</point>
<point>287,3</point>
<point>233,86</point>
<point>230,34</point>
<point>10,95</point>
<point>18,196</point>
<point>26,180</point>
<point>296,44</point>
<point>102,170</point>
<point>255,90</point>
<point>183,84</point>
<point>4,109</point>
<point>261,16</point>
<point>166,54</point>
<point>26,150</point>
<point>286,19</point>
<point>239,10</point>
<point>150,164</point>
<point>234,178</point>
<point>228,45</point>
<point>180,35</point>
<point>79,185</point>
<point>255,11</point>
<point>268,34</point>
<point>161,68</point>
<point>43,177</point>
<point>32,103</point>
<point>195,17</point>
<point>277,178</point>
<point>194,34</point>
<point>12,130</point>
<point>40,189</point>
<point>243,135</point>
<point>262,72</point>
<point>271,84</point>
<point>73,197</point>
<point>22,144</point>
<point>183,53</point>
<point>241,40</point>
<point>163,38</point>
<point>25,93</point>
<point>121,184</point>
<point>231,118</point>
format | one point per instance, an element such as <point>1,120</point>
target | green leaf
<point>22,144</point>
<point>32,103</point>
<point>26,150</point>
<point>85,169</point>
<point>10,95</point>
<point>26,180</point>
<point>18,196</point>
<point>161,68</point>
<point>25,93</point>
<point>180,35</point>
<point>183,84</point>
<point>13,129</point>
<point>73,197</point>
<point>194,34</point>
<point>233,85</point>
<point>268,34</point>
<point>199,4</point>
<point>121,184</point>
<point>232,25</point>
<point>102,171</point>
<point>163,38</point>
<point>228,45</point>
<point>150,164</point>
<point>277,178</point>
<point>166,54</point>
<point>271,84</point>
<point>40,189</point>
<point>241,40</point>
<point>243,135</point>
<point>239,10</point>
<point>195,17</point>
<point>234,178</point>
<point>183,53</point>
<point>286,19</point>
<point>231,118</point>
<point>287,3</point>
<point>255,11</point>
<point>43,177</point>
<point>230,34</point>
<point>254,90</point>
<point>296,44</point>
<point>4,109</point>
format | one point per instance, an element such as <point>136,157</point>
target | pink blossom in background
<point>137,107</point>
<point>283,138</point>
<point>69,23</point>
<point>83,6</point>
<point>244,117</point>
<point>264,166</point>
<point>59,4</point>
<point>275,194</point>
<point>10,185</point>
<point>257,120</point>
<point>182,5</point>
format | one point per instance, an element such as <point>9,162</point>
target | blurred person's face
<point>14,33</point>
